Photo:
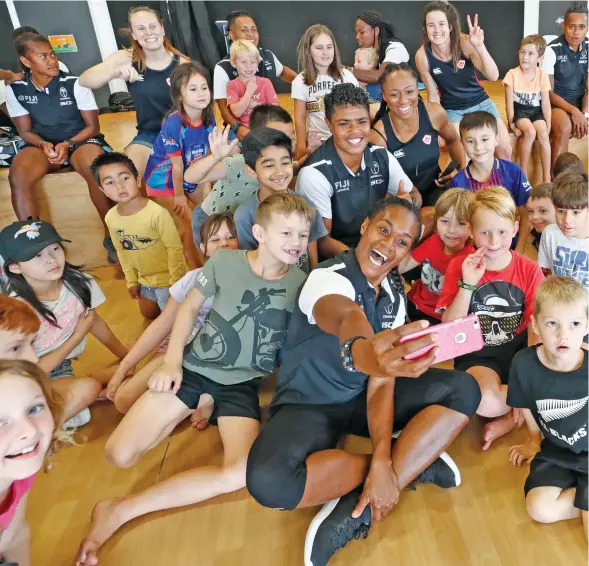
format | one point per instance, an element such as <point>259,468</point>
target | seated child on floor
<point>217,233</point>
<point>27,404</point>
<point>268,157</point>
<point>498,285</point>
<point>63,296</point>
<point>247,90</point>
<point>540,211</point>
<point>143,233</point>
<point>548,383</point>
<point>450,240</point>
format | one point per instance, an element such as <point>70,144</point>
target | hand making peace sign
<point>476,35</point>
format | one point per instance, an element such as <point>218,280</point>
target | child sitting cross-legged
<point>548,383</point>
<point>254,296</point>
<point>498,285</point>
<point>217,233</point>
<point>450,240</point>
<point>143,233</point>
<point>268,157</point>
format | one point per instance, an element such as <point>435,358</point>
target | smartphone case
<point>455,338</point>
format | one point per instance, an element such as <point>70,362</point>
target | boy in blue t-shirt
<point>478,131</point>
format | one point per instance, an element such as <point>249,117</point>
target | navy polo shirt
<point>346,197</point>
<point>54,110</point>
<point>311,372</point>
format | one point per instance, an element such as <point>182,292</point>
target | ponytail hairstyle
<point>73,278</point>
<point>178,79</point>
<point>389,69</point>
<point>453,18</point>
<point>137,53</point>
<point>305,60</point>
<point>386,31</point>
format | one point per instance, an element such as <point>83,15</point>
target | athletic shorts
<point>96,140</point>
<point>64,369</point>
<point>159,295</point>
<point>146,139</point>
<point>237,400</point>
<point>497,358</point>
<point>276,468</point>
<point>532,113</point>
<point>554,466</point>
<point>487,106</point>
<point>576,102</point>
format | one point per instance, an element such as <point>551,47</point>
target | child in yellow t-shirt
<point>143,233</point>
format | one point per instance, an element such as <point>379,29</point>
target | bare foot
<point>104,522</point>
<point>498,427</point>
<point>201,415</point>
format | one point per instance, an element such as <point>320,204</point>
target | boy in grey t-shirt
<point>254,297</point>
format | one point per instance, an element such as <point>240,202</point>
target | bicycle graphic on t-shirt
<point>220,340</point>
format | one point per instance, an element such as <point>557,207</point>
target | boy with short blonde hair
<point>248,90</point>
<point>548,383</point>
<point>366,59</point>
<point>498,285</point>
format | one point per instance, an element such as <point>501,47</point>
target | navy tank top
<point>419,156</point>
<point>459,89</point>
<point>152,97</point>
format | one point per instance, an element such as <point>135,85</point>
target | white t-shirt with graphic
<point>313,97</point>
<point>564,255</point>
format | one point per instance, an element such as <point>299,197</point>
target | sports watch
<point>346,353</point>
<point>72,144</point>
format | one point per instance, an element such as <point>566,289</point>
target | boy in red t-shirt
<point>247,91</point>
<point>498,285</point>
<point>450,240</point>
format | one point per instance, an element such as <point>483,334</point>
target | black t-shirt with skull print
<point>503,301</point>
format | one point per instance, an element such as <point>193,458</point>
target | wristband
<point>466,286</point>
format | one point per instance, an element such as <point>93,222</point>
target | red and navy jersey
<point>505,174</point>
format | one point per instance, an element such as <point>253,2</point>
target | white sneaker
<point>82,418</point>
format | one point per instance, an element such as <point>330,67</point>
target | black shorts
<point>415,314</point>
<point>277,470</point>
<point>98,140</point>
<point>237,400</point>
<point>557,467</point>
<point>576,102</point>
<point>532,113</point>
<point>497,358</point>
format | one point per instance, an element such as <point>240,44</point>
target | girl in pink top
<point>29,417</point>
<point>247,91</point>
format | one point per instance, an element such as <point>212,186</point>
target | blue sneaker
<point>111,252</point>
<point>333,527</point>
<point>443,472</point>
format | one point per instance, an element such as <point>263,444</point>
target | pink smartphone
<point>455,338</point>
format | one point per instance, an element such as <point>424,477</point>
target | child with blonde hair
<point>366,59</point>
<point>450,240</point>
<point>548,383</point>
<point>247,90</point>
<point>498,285</point>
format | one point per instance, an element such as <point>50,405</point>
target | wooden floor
<point>481,523</point>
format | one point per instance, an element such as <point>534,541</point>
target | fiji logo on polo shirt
<point>341,186</point>
<point>65,99</point>
<point>28,99</point>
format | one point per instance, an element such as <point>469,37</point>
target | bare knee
<point>122,402</point>
<point>148,308</point>
<point>233,475</point>
<point>120,455</point>
<point>540,507</point>
<point>529,134</point>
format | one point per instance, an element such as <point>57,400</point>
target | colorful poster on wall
<point>63,43</point>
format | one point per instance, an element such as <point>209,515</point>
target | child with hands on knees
<point>540,211</point>
<point>527,102</point>
<point>247,90</point>
<point>548,383</point>
<point>183,139</point>
<point>450,240</point>
<point>30,418</point>
<point>498,285</point>
<point>217,233</point>
<point>143,233</point>
<point>64,298</point>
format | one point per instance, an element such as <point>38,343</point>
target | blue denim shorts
<point>146,138</point>
<point>198,217</point>
<point>64,369</point>
<point>159,295</point>
<point>486,106</point>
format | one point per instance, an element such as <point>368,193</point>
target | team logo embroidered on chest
<point>461,64</point>
<point>553,409</point>
<point>427,139</point>
<point>63,92</point>
<point>375,168</point>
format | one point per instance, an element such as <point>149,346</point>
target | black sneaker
<point>111,253</point>
<point>443,472</point>
<point>333,527</point>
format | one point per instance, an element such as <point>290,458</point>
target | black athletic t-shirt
<point>569,69</point>
<point>419,156</point>
<point>311,372</point>
<point>152,97</point>
<point>557,400</point>
<point>459,89</point>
